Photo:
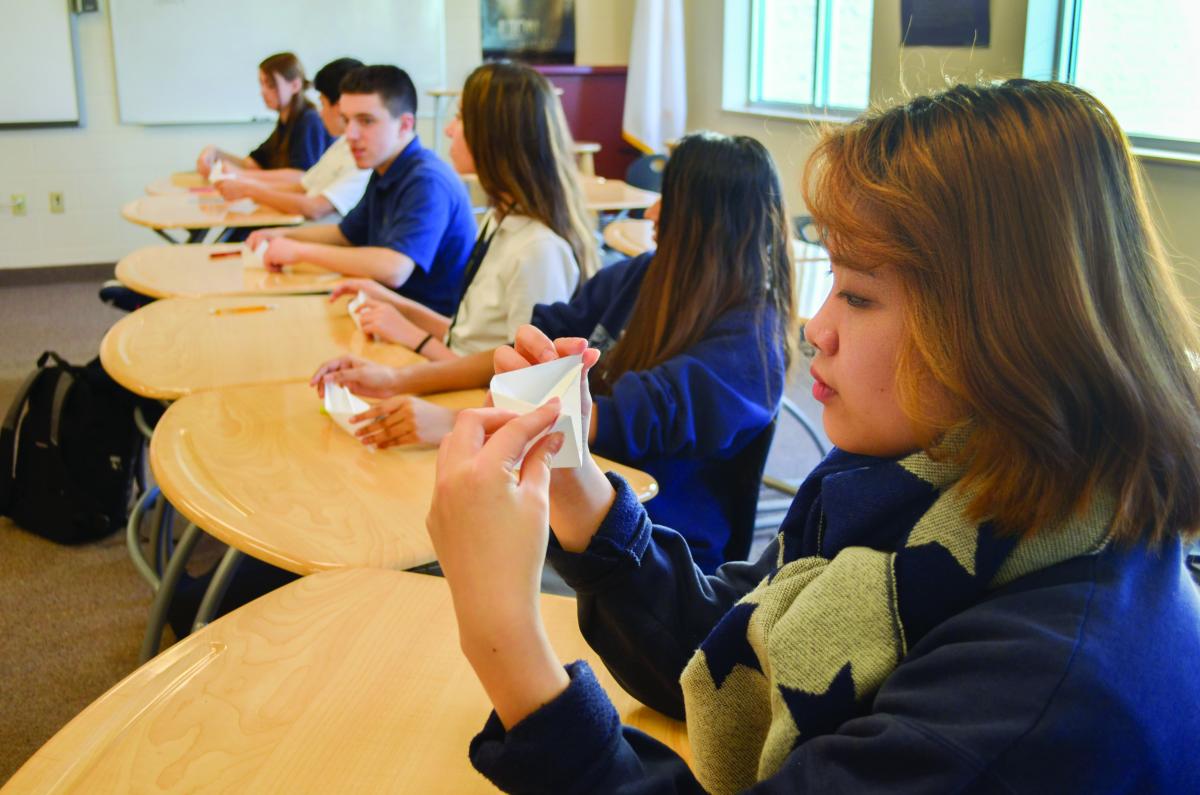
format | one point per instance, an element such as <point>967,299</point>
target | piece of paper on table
<point>242,206</point>
<point>253,257</point>
<point>341,404</point>
<point>353,306</point>
<point>524,390</point>
<point>217,173</point>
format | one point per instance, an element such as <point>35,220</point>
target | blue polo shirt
<point>418,207</point>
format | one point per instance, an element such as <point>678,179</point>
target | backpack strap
<point>8,438</point>
<point>65,381</point>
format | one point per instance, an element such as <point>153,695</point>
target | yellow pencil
<point>241,310</point>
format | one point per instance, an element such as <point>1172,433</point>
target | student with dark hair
<point>694,338</point>
<point>335,184</point>
<point>413,228</point>
<point>536,243</point>
<point>299,138</point>
<point>981,589</point>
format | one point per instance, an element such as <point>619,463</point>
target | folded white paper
<point>524,390</point>
<point>253,257</point>
<point>244,206</point>
<point>341,404</point>
<point>217,173</point>
<point>353,306</point>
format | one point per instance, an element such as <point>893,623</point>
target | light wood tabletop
<point>346,681</point>
<point>179,183</point>
<point>600,194</point>
<point>263,469</point>
<point>176,346</point>
<point>199,211</point>
<point>189,271</point>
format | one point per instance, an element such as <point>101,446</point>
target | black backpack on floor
<point>69,449</point>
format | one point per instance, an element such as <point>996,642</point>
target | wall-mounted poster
<point>945,23</point>
<point>533,31</point>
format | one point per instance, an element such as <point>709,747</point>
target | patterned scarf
<point>872,555</point>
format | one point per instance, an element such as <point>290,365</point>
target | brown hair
<point>287,66</point>
<point>724,241</point>
<point>1039,297</point>
<point>514,126</point>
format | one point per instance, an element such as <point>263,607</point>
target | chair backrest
<point>745,480</point>
<point>646,172</point>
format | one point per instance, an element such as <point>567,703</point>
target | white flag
<point>656,89</point>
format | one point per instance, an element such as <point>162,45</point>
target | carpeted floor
<point>72,618</point>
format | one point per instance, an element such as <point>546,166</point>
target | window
<point>810,55</point>
<point>1139,60</point>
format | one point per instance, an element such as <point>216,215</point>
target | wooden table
<point>178,346</point>
<point>263,469</point>
<point>198,214</point>
<point>600,194</point>
<point>346,681</point>
<point>181,182</point>
<point>187,271</point>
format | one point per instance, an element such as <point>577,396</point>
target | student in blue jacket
<point>694,339</point>
<point>981,589</point>
<point>299,138</point>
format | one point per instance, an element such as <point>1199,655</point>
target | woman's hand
<point>359,376</point>
<point>352,287</point>
<point>233,189</point>
<point>579,498</point>
<point>488,526</point>
<point>386,323</point>
<point>404,419</point>
<point>204,162</point>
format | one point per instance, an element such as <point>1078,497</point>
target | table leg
<point>217,587</point>
<point>166,592</point>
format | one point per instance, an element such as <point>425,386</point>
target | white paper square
<point>524,390</point>
<point>217,173</point>
<point>253,257</point>
<point>242,206</point>
<point>341,404</point>
<point>353,306</point>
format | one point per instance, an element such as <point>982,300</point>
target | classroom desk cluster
<point>347,679</point>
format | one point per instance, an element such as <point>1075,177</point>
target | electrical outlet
<point>18,204</point>
<point>56,202</point>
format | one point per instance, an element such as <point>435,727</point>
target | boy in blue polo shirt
<point>413,229</point>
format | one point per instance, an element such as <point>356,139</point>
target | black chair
<point>741,481</point>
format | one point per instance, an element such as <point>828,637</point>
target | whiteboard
<point>37,63</point>
<point>196,61</point>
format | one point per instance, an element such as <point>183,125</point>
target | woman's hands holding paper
<point>579,498</point>
<point>488,524</point>
<point>388,324</point>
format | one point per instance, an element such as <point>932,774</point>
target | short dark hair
<point>393,85</point>
<point>329,80</point>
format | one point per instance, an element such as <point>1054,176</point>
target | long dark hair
<point>518,136</point>
<point>724,241</point>
<point>288,66</point>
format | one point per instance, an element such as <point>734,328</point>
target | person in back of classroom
<point>695,341</point>
<point>535,244</point>
<point>334,184</point>
<point>413,229</point>
<point>299,138</point>
<point>982,588</point>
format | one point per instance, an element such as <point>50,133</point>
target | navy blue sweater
<point>1080,678</point>
<point>686,420</point>
<point>297,144</point>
